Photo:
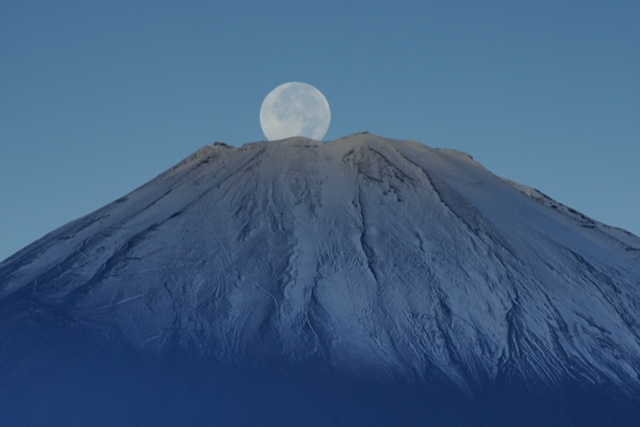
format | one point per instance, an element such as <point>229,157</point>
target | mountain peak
<point>367,253</point>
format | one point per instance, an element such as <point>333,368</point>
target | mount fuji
<point>364,281</point>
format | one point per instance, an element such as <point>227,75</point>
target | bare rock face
<point>365,256</point>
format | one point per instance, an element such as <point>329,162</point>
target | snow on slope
<point>370,254</point>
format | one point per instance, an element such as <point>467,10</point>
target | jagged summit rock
<point>367,254</point>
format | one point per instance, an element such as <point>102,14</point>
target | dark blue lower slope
<point>52,372</point>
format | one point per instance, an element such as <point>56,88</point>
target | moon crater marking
<point>295,109</point>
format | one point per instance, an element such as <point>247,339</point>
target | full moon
<point>295,109</point>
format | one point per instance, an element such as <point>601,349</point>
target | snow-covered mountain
<point>365,255</point>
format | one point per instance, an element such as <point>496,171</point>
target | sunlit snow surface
<point>381,261</point>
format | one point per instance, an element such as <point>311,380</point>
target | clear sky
<point>98,97</point>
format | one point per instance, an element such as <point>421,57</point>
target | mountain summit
<point>364,256</point>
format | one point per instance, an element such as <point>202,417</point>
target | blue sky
<point>96,98</point>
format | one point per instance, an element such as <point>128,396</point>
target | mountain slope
<point>367,255</point>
